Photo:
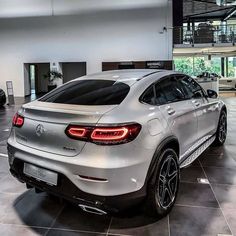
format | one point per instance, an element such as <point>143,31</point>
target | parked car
<point>208,75</point>
<point>115,139</point>
<point>208,81</point>
<point>227,83</point>
<point>2,98</point>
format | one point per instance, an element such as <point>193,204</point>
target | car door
<point>179,113</point>
<point>207,110</point>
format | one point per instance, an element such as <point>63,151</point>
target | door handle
<point>213,108</point>
<point>196,103</point>
<point>171,111</point>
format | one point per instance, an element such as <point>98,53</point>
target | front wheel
<point>163,187</point>
<point>221,132</point>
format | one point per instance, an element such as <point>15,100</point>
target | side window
<point>172,90</point>
<point>186,88</point>
<point>149,97</point>
<point>191,87</point>
<point>160,96</point>
<point>163,92</point>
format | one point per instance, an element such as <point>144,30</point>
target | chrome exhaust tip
<point>92,210</point>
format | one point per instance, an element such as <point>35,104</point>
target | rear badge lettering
<point>69,149</point>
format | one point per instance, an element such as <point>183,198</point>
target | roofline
<point>139,73</point>
<point>152,73</point>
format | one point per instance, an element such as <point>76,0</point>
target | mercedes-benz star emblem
<point>40,130</point>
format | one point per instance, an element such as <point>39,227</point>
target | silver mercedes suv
<point>111,140</point>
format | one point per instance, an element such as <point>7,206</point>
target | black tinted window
<point>148,97</point>
<point>190,86</point>
<point>172,90</point>
<point>89,92</point>
<point>160,96</point>
<point>185,87</point>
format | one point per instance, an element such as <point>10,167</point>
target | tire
<point>2,98</point>
<point>221,132</point>
<point>163,187</point>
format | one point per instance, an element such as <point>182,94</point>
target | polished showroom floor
<point>202,208</point>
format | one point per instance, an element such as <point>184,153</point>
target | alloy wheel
<point>222,128</point>
<point>168,182</point>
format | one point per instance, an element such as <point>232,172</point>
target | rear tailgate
<point>45,124</point>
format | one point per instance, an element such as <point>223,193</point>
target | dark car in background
<point>209,75</point>
<point>2,98</point>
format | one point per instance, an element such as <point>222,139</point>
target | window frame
<point>144,93</point>
<point>159,81</point>
<point>204,95</point>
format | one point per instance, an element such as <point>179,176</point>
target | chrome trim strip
<point>92,210</point>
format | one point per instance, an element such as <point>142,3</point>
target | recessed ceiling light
<point>202,181</point>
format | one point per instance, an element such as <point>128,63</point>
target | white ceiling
<point>30,8</point>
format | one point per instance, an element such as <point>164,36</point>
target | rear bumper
<point>123,168</point>
<point>67,190</point>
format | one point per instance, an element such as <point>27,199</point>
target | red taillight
<point>109,134</point>
<point>18,120</point>
<point>104,135</point>
<point>77,132</point>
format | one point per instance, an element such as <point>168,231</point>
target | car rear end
<point>61,145</point>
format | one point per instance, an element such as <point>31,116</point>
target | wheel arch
<point>170,142</point>
<point>224,109</point>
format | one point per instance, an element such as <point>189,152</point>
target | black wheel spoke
<point>173,175</point>
<point>170,193</point>
<point>168,167</point>
<point>163,195</point>
<point>162,178</point>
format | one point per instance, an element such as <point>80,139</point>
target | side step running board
<point>197,152</point>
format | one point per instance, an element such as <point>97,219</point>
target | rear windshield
<point>89,92</point>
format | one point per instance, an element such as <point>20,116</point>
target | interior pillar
<point>223,66</point>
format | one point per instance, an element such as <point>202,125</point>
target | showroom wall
<point>96,37</point>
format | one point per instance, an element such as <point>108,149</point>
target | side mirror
<point>212,93</point>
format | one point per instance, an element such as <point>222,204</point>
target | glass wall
<point>231,67</point>
<point>194,66</point>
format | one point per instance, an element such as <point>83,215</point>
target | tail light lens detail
<point>109,134</point>
<point>18,120</point>
<point>104,135</point>
<point>77,132</point>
